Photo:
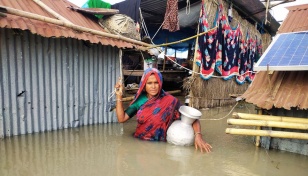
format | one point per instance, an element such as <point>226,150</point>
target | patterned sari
<point>156,115</point>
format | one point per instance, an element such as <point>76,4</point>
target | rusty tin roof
<point>282,89</point>
<point>47,29</point>
<point>296,20</point>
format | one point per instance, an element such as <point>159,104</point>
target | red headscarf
<point>156,115</point>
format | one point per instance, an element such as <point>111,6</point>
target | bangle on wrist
<point>198,133</point>
<point>118,100</point>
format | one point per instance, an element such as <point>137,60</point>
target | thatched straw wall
<point>213,92</point>
<point>216,91</point>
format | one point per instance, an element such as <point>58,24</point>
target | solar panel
<point>287,52</point>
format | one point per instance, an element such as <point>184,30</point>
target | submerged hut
<point>58,67</point>
<point>282,90</point>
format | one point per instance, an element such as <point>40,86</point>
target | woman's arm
<point>199,142</point>
<point>121,115</point>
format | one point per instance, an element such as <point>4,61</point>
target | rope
<point>188,7</point>
<point>225,115</point>
<point>120,81</point>
<point>162,23</point>
<point>115,91</point>
<point>143,25</point>
<point>183,40</point>
<point>214,76</point>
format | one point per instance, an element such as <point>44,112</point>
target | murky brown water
<point>110,149</point>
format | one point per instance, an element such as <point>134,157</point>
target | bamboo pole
<point>267,133</point>
<point>17,12</point>
<point>194,67</point>
<point>165,56</point>
<point>132,97</point>
<point>266,123</point>
<point>258,138</point>
<point>52,12</point>
<point>183,40</point>
<point>269,117</point>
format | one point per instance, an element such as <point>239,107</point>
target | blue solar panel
<point>288,51</point>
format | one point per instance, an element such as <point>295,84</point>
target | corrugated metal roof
<point>296,20</point>
<point>283,89</point>
<point>52,30</point>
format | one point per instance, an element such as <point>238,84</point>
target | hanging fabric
<point>253,56</point>
<point>224,50</point>
<point>259,50</point>
<point>227,60</point>
<point>248,57</point>
<point>206,53</point>
<point>244,57</point>
<point>171,21</point>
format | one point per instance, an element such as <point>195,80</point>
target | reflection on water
<point>110,149</point>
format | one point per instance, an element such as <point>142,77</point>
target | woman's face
<point>152,86</point>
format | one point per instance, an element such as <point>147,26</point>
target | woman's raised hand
<point>118,87</point>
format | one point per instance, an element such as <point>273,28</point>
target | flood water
<point>110,149</point>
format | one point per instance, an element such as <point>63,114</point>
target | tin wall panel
<point>54,83</point>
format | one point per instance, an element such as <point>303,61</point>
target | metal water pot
<point>181,132</point>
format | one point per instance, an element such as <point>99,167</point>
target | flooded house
<point>279,90</point>
<point>66,60</point>
<point>58,67</point>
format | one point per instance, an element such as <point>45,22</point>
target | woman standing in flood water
<point>155,110</point>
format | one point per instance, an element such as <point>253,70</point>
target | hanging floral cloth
<point>248,56</point>
<point>206,53</point>
<point>227,59</point>
<point>244,57</point>
<point>171,21</point>
<point>253,57</point>
<point>223,50</point>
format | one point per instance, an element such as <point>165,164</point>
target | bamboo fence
<point>259,120</point>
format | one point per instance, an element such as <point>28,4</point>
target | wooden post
<point>194,67</point>
<point>165,57</point>
<point>258,128</point>
<point>121,71</point>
